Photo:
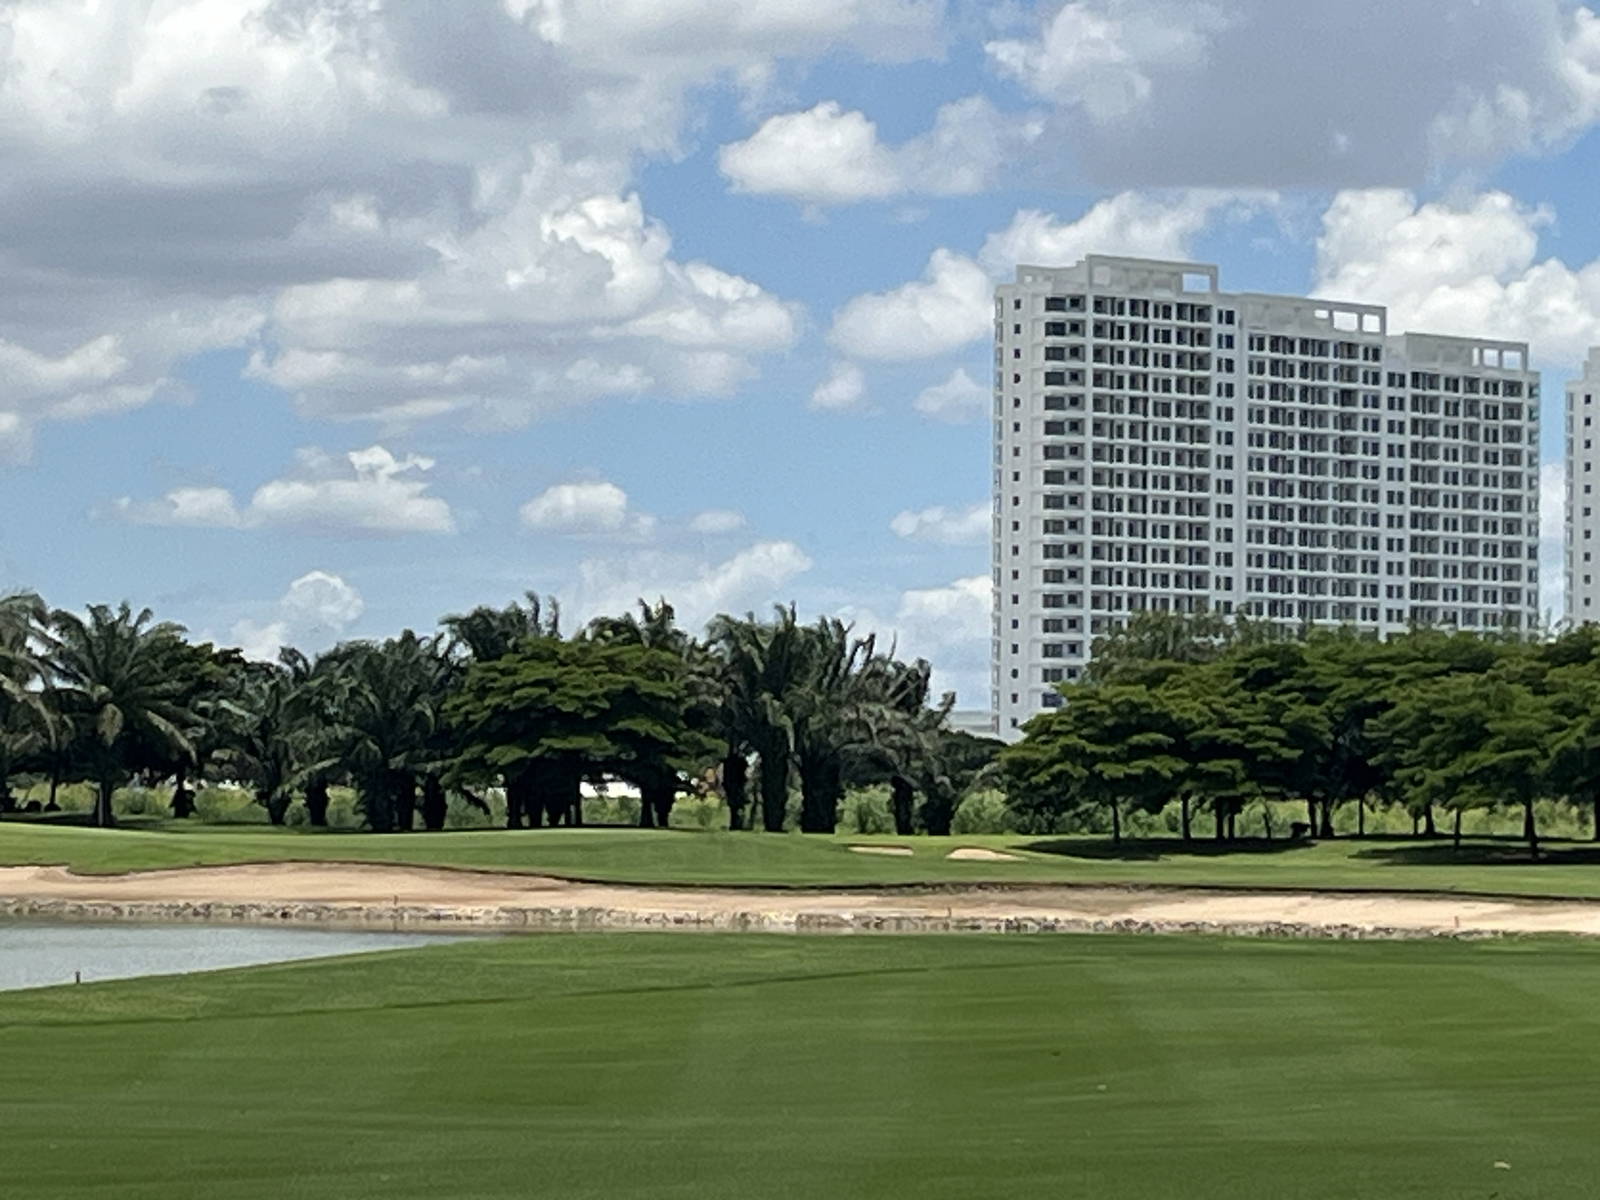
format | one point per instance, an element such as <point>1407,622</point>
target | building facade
<point>1162,444</point>
<point>1583,469</point>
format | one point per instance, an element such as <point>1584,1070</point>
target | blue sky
<point>322,318</point>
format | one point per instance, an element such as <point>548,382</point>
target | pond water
<point>41,954</point>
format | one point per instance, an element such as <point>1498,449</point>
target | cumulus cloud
<point>595,507</point>
<point>949,625</point>
<point>368,491</point>
<point>956,401</point>
<point>751,580</point>
<point>844,388</point>
<point>827,155</point>
<point>1222,92</point>
<point>318,607</point>
<point>401,211</point>
<point>948,526</point>
<point>952,305</point>
<point>1469,266</point>
<point>714,521</point>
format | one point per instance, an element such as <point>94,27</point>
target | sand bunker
<point>895,851</point>
<point>979,854</point>
<point>417,897</point>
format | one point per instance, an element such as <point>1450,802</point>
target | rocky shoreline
<point>590,918</point>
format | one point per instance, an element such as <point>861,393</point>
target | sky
<point>324,318</point>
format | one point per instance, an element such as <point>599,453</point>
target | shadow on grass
<point>1480,852</point>
<point>1152,849</point>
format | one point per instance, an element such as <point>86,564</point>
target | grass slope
<point>626,855</point>
<point>672,1066</point>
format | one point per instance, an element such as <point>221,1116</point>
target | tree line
<point>497,698</point>
<point>1215,714</point>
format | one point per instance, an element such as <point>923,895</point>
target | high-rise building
<point>1583,469</point>
<point>1162,444</point>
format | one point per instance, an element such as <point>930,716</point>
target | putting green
<point>681,1066</point>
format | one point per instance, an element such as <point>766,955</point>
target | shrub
<point>982,812</point>
<point>866,810</point>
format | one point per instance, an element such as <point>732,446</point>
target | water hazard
<point>39,955</point>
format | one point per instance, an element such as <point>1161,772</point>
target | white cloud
<point>956,401</point>
<point>827,155</point>
<point>1468,267</point>
<point>844,388</point>
<point>949,626</point>
<point>317,608</point>
<point>752,580</point>
<point>400,211</point>
<point>952,305</point>
<point>714,521</point>
<point>948,526</point>
<point>1224,92</point>
<point>369,492</point>
<point>595,507</point>
<point>1143,225</point>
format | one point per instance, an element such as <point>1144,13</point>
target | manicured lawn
<point>681,1066</point>
<point>628,855</point>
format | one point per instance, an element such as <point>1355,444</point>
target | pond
<point>36,954</point>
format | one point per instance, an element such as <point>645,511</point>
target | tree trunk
<point>519,788</point>
<point>1116,823</point>
<point>104,818</point>
<point>182,797</point>
<point>1361,817</point>
<point>736,786</point>
<point>1325,828</point>
<point>657,797</point>
<point>1217,811</point>
<point>317,802</point>
<point>276,804</point>
<point>51,804</point>
<point>1266,818</point>
<point>647,816</point>
<point>435,803</point>
<point>1311,815</point>
<point>1428,828</point>
<point>1456,834</point>
<point>821,789</point>
<point>7,800</point>
<point>404,785</point>
<point>1233,829</point>
<point>560,791</point>
<point>774,788</point>
<point>901,802</point>
<point>1530,831</point>
<point>1597,816</point>
<point>1188,833</point>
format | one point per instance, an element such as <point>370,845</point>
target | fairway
<point>677,1066</point>
<point>1484,866</point>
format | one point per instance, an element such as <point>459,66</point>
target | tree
<point>549,712</point>
<point>111,674</point>
<point>385,700</point>
<point>25,717</point>
<point>1108,747</point>
<point>759,664</point>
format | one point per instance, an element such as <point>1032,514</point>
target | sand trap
<point>420,897</point>
<point>979,854</point>
<point>894,851</point>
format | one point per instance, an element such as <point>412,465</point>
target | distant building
<point>1162,444</point>
<point>1583,579</point>
<point>974,721</point>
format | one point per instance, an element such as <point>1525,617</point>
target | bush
<point>700,812</point>
<point>982,812</point>
<point>866,810</point>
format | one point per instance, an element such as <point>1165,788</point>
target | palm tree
<point>112,676</point>
<point>260,745</point>
<point>25,723</point>
<point>385,700</point>
<point>760,663</point>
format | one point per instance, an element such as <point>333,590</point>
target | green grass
<point>674,1066</point>
<point>643,856</point>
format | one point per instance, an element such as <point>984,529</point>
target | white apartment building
<point>1162,444</point>
<point>1583,470</point>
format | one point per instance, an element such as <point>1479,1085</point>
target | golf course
<point>672,1066</point>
